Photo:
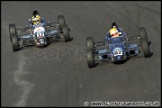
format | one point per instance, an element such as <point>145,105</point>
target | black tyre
<point>144,41</point>
<point>90,59</point>
<point>12,31</point>
<point>15,44</point>
<point>90,43</point>
<point>61,21</point>
<point>66,33</point>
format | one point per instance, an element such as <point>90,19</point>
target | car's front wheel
<point>15,44</point>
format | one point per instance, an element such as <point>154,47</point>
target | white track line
<point>26,86</point>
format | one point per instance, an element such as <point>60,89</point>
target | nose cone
<point>119,58</point>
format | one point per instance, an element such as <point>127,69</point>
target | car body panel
<point>118,43</point>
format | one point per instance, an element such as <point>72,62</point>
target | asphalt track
<point>58,75</point>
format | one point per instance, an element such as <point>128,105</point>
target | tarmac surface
<point>58,75</point>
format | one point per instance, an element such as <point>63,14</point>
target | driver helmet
<point>114,32</point>
<point>36,19</point>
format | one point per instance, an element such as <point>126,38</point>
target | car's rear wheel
<point>90,59</point>
<point>90,43</point>
<point>15,44</point>
<point>66,33</point>
<point>12,31</point>
<point>144,41</point>
<point>61,21</point>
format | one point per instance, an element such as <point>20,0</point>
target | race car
<point>50,32</point>
<point>117,50</point>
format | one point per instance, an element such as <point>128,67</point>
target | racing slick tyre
<point>66,33</point>
<point>12,31</point>
<point>144,41</point>
<point>61,21</point>
<point>15,44</point>
<point>90,59</point>
<point>90,43</point>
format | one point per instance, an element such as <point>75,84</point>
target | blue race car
<point>45,33</point>
<point>117,49</point>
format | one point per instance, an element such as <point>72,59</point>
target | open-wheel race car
<point>44,33</point>
<point>118,49</point>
